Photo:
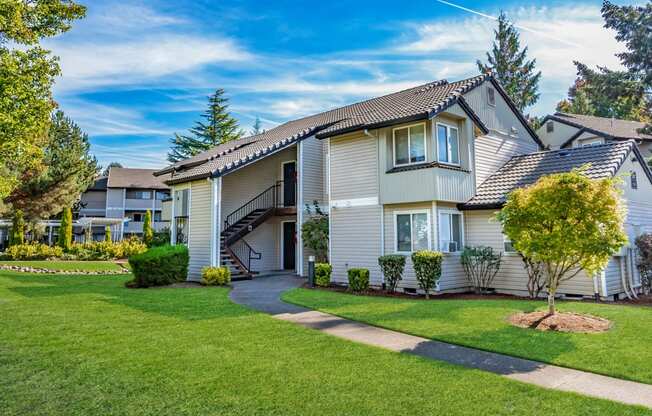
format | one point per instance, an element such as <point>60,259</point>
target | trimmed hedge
<point>215,276</point>
<point>427,267</point>
<point>323,273</point>
<point>32,251</point>
<point>392,266</point>
<point>358,279</point>
<point>159,266</point>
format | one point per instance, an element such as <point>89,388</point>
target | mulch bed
<point>562,322</point>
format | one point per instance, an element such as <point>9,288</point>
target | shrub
<point>33,251</point>
<point>392,266</point>
<point>358,279</point>
<point>427,267</point>
<point>65,229</point>
<point>215,276</point>
<point>107,250</point>
<point>17,233</point>
<point>481,265</point>
<point>148,232</point>
<point>159,266</point>
<point>107,233</point>
<point>161,238</point>
<point>323,273</point>
<point>314,232</point>
<point>644,246</point>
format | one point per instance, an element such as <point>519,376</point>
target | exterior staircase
<point>235,252</point>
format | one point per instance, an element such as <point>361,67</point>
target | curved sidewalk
<point>263,294</point>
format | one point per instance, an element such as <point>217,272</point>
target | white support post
<point>173,226</point>
<point>218,221</point>
<point>299,204</point>
<point>214,222</point>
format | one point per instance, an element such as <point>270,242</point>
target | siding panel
<point>199,238</point>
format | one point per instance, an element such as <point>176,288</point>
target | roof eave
<point>480,207</point>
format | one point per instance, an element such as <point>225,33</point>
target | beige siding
<point>494,150</point>
<point>313,171</point>
<point>199,235</point>
<point>354,167</point>
<point>115,203</point>
<point>560,134</point>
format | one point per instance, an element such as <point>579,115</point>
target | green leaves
<point>27,21</point>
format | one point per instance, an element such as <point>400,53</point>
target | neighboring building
<point>396,173</point>
<point>125,193</point>
<point>564,130</point>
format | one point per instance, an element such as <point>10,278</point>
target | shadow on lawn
<point>182,303</point>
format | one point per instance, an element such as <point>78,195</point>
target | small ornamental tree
<point>481,265</point>
<point>107,234</point>
<point>65,230</point>
<point>392,266</point>
<point>17,236</point>
<point>568,222</point>
<point>314,232</point>
<point>644,263</point>
<point>148,232</point>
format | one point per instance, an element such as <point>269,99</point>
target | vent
<point>563,153</point>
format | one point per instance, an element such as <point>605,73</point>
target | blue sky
<point>135,72</point>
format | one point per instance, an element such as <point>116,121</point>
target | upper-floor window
<point>138,217</point>
<point>139,194</point>
<point>410,144</point>
<point>448,143</point>
<point>591,143</point>
<point>491,96</point>
<point>412,231</point>
<point>633,180</point>
<point>161,195</point>
<point>450,231</point>
<point>550,127</point>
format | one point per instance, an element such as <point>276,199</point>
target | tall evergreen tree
<point>107,234</point>
<point>217,127</point>
<point>257,128</point>
<point>148,232</point>
<point>69,170</point>
<point>109,166</point>
<point>507,61</point>
<point>65,229</point>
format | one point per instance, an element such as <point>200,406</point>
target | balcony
<point>136,227</point>
<point>141,204</point>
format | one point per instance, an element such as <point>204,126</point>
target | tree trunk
<point>551,303</point>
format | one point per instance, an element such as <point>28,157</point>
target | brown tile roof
<point>611,127</point>
<point>136,178</point>
<point>603,161</point>
<point>415,103</point>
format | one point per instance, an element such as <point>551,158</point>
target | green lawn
<point>625,351</point>
<point>90,266</point>
<point>87,345</point>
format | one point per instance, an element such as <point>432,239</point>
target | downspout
<point>623,278</point>
<point>630,252</point>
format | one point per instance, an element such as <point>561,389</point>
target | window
<point>138,217</point>
<point>181,202</point>
<point>157,216</point>
<point>448,144</point>
<point>162,195</point>
<point>507,245</point>
<point>491,96</point>
<point>412,231</point>
<point>410,145</point>
<point>550,127</point>
<point>633,180</point>
<point>591,143</point>
<point>450,231</point>
<point>137,194</point>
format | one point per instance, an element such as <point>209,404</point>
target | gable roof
<point>603,162</point>
<point>417,103</point>
<point>135,178</point>
<point>611,128</point>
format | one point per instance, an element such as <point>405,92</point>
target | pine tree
<point>148,232</point>
<point>107,234</point>
<point>257,128</point>
<point>108,167</point>
<point>69,170</point>
<point>507,61</point>
<point>65,230</point>
<point>17,235</point>
<point>217,127</point>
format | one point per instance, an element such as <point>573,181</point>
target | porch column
<point>216,223</point>
<point>173,227</point>
<point>299,205</point>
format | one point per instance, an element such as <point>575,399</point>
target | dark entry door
<point>289,245</point>
<point>289,184</point>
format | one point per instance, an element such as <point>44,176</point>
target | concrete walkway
<point>263,294</point>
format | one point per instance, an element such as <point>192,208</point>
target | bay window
<point>450,231</point>
<point>410,145</point>
<point>448,144</point>
<point>412,231</point>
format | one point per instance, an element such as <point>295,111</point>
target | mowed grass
<point>625,351</point>
<point>89,346</point>
<point>88,266</point>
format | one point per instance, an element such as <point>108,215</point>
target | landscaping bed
<point>67,267</point>
<point>483,322</point>
<point>87,345</point>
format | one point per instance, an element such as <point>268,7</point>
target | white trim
<point>425,144</point>
<point>434,225</point>
<point>411,212</point>
<point>124,201</point>
<point>218,218</point>
<point>189,214</point>
<point>282,257</point>
<point>462,236</point>
<point>329,156</point>
<point>356,202</point>
<point>173,225</point>
<point>603,282</point>
<point>299,204</point>
<point>448,147</point>
<point>213,182</point>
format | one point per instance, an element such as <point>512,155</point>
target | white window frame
<point>594,142</point>
<point>505,241</point>
<point>448,147</point>
<point>410,213</point>
<point>449,211</point>
<point>425,144</point>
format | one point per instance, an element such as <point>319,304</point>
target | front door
<point>289,184</point>
<point>289,245</point>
